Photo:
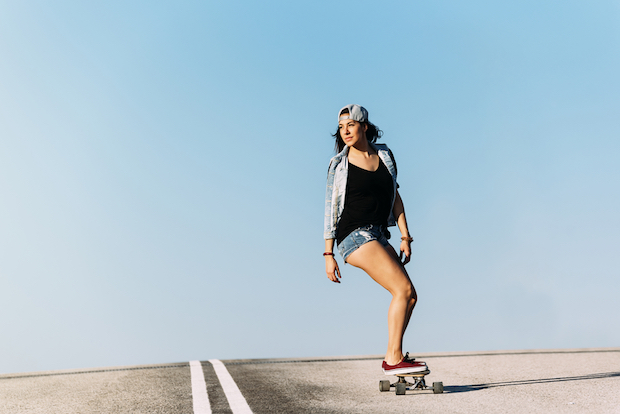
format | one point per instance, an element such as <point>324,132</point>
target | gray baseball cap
<point>356,112</point>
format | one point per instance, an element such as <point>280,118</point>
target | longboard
<point>417,383</point>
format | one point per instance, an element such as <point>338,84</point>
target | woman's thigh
<point>381,263</point>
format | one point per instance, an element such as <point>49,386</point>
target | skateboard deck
<point>417,383</point>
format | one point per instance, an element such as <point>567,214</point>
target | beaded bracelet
<point>328,254</point>
<point>409,239</point>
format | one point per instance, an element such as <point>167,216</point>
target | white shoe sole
<point>401,371</point>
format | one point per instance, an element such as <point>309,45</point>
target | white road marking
<point>199,389</point>
<point>237,403</point>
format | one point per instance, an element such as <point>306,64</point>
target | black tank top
<point>368,199</point>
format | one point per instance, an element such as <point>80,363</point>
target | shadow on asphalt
<point>478,387</point>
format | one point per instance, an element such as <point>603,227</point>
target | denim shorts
<point>360,236</point>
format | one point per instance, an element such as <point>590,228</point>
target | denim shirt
<point>337,187</point>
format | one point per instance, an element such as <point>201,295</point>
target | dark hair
<point>372,134</point>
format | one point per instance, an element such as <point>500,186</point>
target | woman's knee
<point>411,296</point>
<point>407,292</point>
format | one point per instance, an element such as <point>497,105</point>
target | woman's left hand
<point>405,250</point>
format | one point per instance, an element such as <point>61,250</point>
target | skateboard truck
<point>418,384</point>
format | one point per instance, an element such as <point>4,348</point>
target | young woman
<point>361,201</point>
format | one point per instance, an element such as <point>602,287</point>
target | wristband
<point>328,254</point>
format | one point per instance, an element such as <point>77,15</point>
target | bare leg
<point>414,296</point>
<point>383,266</point>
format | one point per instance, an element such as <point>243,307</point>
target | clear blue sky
<point>162,173</point>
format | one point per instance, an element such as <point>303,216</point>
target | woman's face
<point>352,132</point>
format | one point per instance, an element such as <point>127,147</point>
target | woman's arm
<point>401,220</point>
<point>331,266</point>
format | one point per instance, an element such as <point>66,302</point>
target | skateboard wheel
<point>401,388</point>
<point>384,385</point>
<point>438,387</point>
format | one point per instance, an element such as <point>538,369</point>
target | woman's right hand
<point>332,269</point>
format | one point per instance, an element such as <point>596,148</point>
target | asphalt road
<point>541,381</point>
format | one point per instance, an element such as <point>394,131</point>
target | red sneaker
<point>406,366</point>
